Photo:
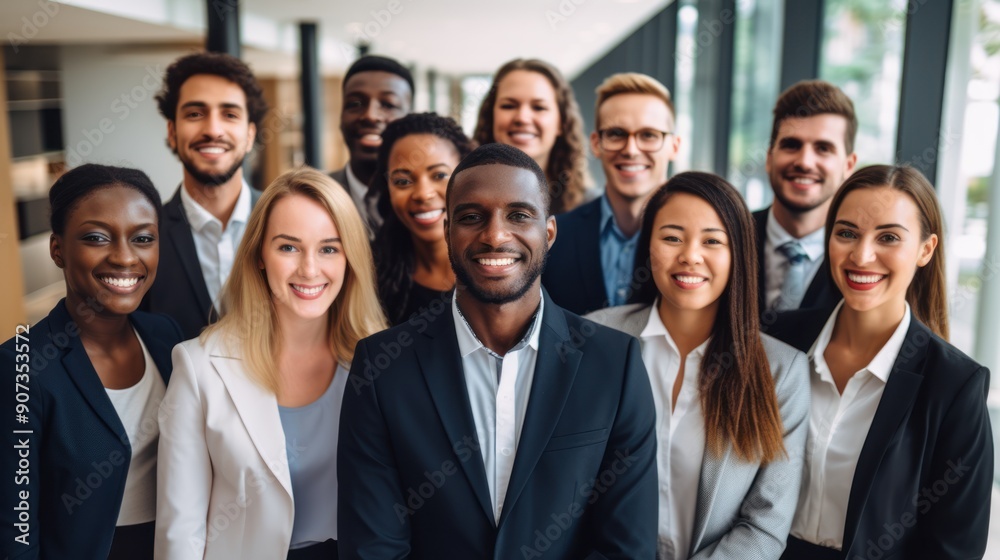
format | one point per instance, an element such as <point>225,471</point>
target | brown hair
<point>567,167</point>
<point>735,383</point>
<point>631,82</point>
<point>815,97</point>
<point>927,294</point>
<point>249,322</point>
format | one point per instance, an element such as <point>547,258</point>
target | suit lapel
<point>441,366</point>
<point>760,223</point>
<point>589,253</point>
<point>81,371</point>
<point>897,400</point>
<point>258,409</point>
<point>159,349</point>
<point>179,230</point>
<point>712,471</point>
<point>555,370</point>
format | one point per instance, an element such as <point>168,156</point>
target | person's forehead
<point>825,126</point>
<point>634,108</point>
<point>495,185</point>
<point>209,88</point>
<point>376,82</point>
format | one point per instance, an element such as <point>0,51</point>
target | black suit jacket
<point>179,289</point>
<point>370,214</point>
<point>573,274</point>
<point>78,454</point>
<point>411,475</point>
<point>925,473</point>
<point>822,293</point>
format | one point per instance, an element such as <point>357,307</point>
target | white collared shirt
<point>498,406</point>
<point>838,427</point>
<point>214,242</point>
<point>680,435</point>
<point>776,265</point>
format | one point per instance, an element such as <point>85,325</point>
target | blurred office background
<point>77,80</point>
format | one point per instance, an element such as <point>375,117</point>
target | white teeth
<point>308,291</point>
<point>120,282</point>
<point>496,262</point>
<point>429,215</point>
<point>689,279</point>
<point>804,180</point>
<point>208,150</point>
<point>632,167</point>
<point>864,278</point>
<point>522,135</point>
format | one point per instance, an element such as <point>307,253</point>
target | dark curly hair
<point>217,64</point>
<point>567,171</point>
<point>393,244</point>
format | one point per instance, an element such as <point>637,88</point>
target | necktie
<point>794,286</point>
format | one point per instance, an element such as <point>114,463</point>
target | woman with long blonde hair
<point>249,426</point>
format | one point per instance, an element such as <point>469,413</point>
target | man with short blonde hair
<point>591,265</point>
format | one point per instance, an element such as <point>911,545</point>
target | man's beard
<point>496,297</point>
<point>212,179</point>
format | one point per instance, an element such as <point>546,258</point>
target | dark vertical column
<point>724,86</point>
<point>921,92</point>
<point>223,27</point>
<point>802,41</point>
<point>312,95</point>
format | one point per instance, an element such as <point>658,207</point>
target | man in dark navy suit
<point>593,266</point>
<point>498,425</point>
<point>811,153</point>
<point>214,107</point>
<point>377,90</point>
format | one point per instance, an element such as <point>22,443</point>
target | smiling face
<point>633,174</point>
<point>303,259</point>
<point>212,133</point>
<point>419,168</point>
<point>526,114</point>
<point>876,247</point>
<point>109,250</point>
<point>808,162</point>
<point>689,255</point>
<point>372,100</point>
<point>498,233</point>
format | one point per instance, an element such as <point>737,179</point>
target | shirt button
<point>505,451</point>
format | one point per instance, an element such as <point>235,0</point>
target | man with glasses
<point>377,91</point>
<point>591,265</point>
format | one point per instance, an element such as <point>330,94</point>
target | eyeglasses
<point>647,139</point>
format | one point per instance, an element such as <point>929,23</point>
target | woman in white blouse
<point>731,403</point>
<point>249,424</point>
<point>900,460</point>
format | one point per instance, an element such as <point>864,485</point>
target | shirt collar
<point>655,329</point>
<point>199,217</point>
<point>881,364</point>
<point>608,217</point>
<point>812,243</point>
<point>353,182</point>
<point>468,342</point>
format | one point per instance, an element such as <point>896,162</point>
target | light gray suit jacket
<point>744,510</point>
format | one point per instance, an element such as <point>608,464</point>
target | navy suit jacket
<point>573,274</point>
<point>179,289</point>
<point>411,475</point>
<point>822,293</point>
<point>78,454</point>
<point>925,474</point>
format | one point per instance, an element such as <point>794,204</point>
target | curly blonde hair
<point>566,171</point>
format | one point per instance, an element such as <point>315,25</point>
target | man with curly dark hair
<point>214,108</point>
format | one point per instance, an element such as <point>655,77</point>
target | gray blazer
<point>745,510</point>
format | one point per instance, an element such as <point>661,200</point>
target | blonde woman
<point>249,426</point>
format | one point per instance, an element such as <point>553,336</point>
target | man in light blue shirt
<point>592,265</point>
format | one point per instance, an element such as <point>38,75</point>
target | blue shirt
<point>311,444</point>
<point>617,257</point>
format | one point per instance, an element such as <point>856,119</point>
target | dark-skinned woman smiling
<point>91,376</point>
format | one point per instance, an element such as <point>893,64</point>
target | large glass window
<point>862,54</point>
<point>756,76</point>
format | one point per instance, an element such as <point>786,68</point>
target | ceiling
<point>450,36</point>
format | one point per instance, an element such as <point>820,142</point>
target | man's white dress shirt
<point>776,265</point>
